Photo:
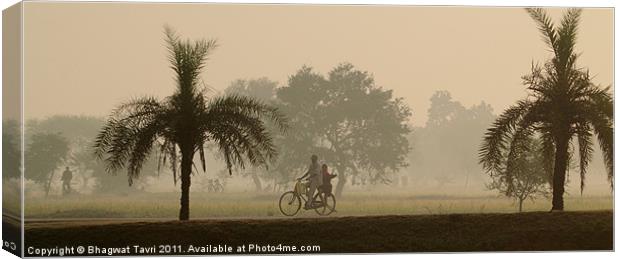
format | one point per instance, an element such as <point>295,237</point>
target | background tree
<point>298,101</point>
<point>89,173</point>
<point>181,125</point>
<point>356,126</point>
<point>563,104</point>
<point>86,165</point>
<point>528,178</point>
<point>11,155</point>
<point>44,154</point>
<point>79,131</point>
<point>92,172</point>
<point>445,149</point>
<point>263,90</point>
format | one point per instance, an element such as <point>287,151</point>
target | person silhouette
<point>315,178</point>
<point>326,186</point>
<point>67,175</point>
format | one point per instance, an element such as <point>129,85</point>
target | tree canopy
<point>528,177</point>
<point>353,125</point>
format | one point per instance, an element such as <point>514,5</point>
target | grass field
<point>214,205</point>
<point>364,222</point>
<point>532,231</point>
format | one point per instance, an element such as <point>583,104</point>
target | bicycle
<point>214,186</point>
<point>290,202</point>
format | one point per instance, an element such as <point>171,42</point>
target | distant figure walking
<point>315,178</point>
<point>67,175</point>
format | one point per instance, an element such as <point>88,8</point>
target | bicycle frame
<point>298,192</point>
<point>303,195</point>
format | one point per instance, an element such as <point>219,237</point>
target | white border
<point>557,3</point>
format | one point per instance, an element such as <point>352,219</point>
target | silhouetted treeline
<point>444,154</point>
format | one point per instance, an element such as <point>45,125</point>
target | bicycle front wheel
<point>290,203</point>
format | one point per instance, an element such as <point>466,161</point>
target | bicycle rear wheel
<point>290,203</point>
<point>328,203</point>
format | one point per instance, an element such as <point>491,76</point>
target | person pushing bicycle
<point>314,177</point>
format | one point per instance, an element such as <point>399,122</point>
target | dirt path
<point>540,231</point>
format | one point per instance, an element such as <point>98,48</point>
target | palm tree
<point>180,125</point>
<point>563,106</point>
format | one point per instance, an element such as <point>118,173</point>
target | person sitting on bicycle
<point>314,177</point>
<point>327,179</point>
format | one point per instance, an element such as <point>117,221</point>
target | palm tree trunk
<point>186,171</point>
<point>559,173</point>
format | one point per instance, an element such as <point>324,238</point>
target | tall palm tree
<point>563,106</point>
<point>180,125</point>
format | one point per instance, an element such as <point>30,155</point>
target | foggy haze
<point>85,58</point>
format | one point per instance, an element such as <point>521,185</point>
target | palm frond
<point>519,146</point>
<point>545,26</point>
<point>601,98</point>
<point>496,139</point>
<point>127,137</point>
<point>203,161</point>
<point>547,150</point>
<point>246,133</point>
<point>596,109</point>
<point>251,107</point>
<point>567,38</point>
<point>604,132</point>
<point>168,150</point>
<point>139,153</point>
<point>236,124</point>
<point>584,138</point>
<point>187,59</point>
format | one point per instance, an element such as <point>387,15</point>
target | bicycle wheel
<point>328,204</point>
<point>290,203</point>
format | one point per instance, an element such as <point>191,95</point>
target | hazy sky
<point>85,58</point>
